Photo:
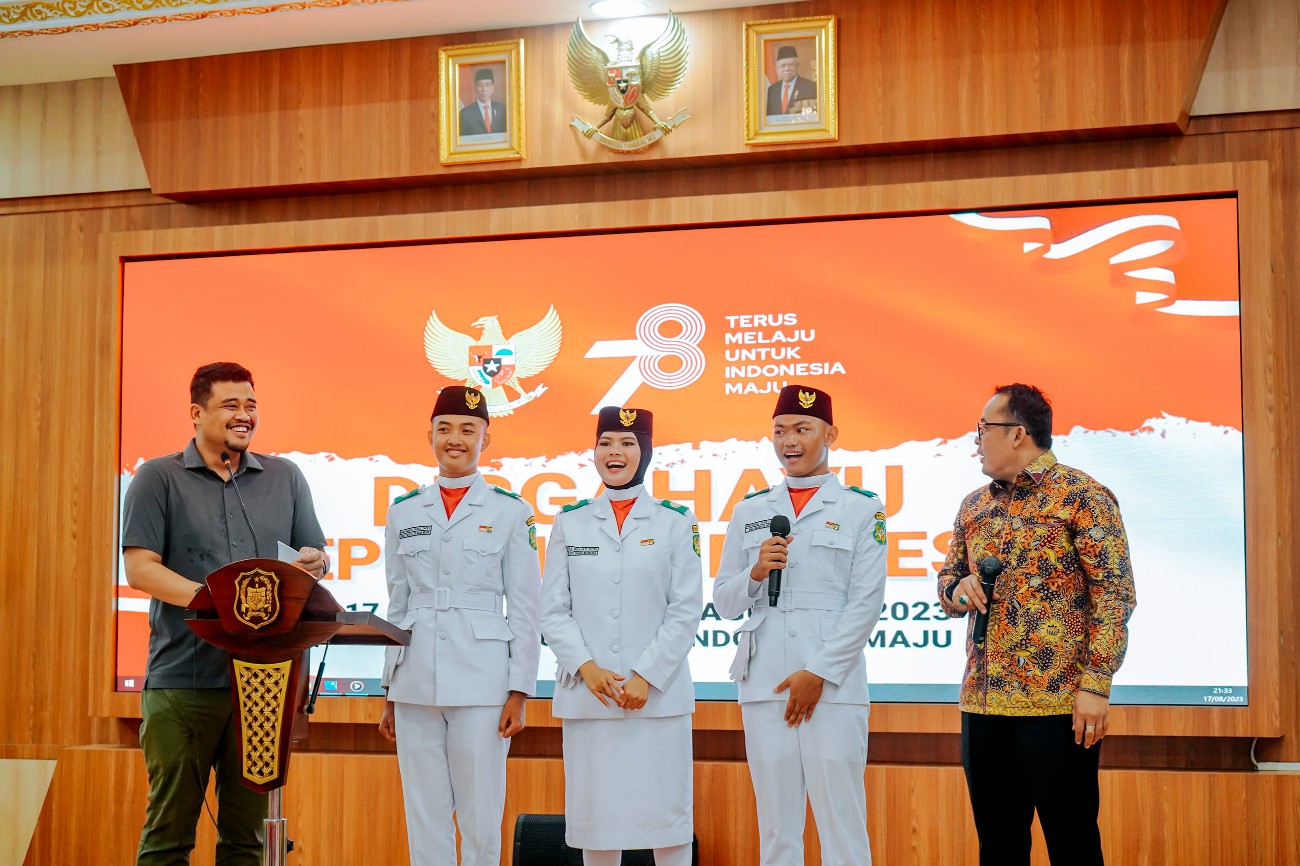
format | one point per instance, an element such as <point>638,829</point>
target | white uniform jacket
<point>630,601</point>
<point>831,591</point>
<point>447,580</point>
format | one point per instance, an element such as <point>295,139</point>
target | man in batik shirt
<point>1035,699</point>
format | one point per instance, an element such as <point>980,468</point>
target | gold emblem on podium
<point>627,84</point>
<point>257,598</point>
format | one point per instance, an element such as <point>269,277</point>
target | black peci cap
<point>615,419</point>
<point>804,400</point>
<point>460,400</point>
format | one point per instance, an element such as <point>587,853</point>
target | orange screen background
<point>926,314</point>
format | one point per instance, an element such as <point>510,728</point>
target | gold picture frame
<point>474,129</point>
<point>790,89</point>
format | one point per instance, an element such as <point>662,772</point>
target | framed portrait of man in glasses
<point>790,90</point>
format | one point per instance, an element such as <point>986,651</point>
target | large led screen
<point>1127,315</point>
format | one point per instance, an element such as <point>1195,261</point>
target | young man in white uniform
<point>799,665</point>
<point>461,561</point>
<point>622,597</point>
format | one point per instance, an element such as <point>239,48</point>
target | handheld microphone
<point>989,568</point>
<point>780,527</point>
<point>225,458</point>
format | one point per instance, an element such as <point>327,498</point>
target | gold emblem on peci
<point>626,417</point>
<point>806,399</point>
<point>257,598</point>
<point>472,399</point>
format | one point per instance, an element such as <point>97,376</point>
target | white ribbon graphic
<point>1162,282</point>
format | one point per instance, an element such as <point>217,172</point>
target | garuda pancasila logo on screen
<point>493,363</point>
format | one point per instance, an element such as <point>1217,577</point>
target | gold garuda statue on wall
<point>628,84</point>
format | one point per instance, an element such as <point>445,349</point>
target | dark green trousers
<point>186,734</point>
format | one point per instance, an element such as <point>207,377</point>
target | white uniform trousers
<point>822,761</point>
<point>452,760</point>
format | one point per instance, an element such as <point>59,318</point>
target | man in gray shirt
<point>182,520</point>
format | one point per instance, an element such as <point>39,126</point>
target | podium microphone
<point>225,458</point>
<point>315,688</point>
<point>780,527</point>
<point>989,568</point>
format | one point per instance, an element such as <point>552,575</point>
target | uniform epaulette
<point>863,492</point>
<point>506,492</point>
<point>680,509</point>
<point>757,493</point>
<point>409,494</point>
<point>574,506</point>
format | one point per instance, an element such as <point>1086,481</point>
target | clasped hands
<point>608,686</point>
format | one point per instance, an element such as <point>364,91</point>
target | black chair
<point>539,841</point>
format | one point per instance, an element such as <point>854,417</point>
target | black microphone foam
<point>225,458</point>
<point>780,527</point>
<point>989,568</point>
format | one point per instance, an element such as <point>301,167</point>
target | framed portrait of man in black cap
<point>790,92</point>
<point>482,102</point>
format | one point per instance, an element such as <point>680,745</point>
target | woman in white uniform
<point>621,600</point>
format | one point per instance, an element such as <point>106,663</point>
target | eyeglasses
<point>981,427</point>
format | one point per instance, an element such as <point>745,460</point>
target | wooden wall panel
<point>347,809</point>
<point>1254,64</point>
<point>59,327</point>
<point>67,137</point>
<point>57,496</point>
<point>95,809</point>
<point>56,525</point>
<point>23,785</point>
<point>914,73</point>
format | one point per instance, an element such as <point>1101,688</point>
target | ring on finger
<point>1090,727</point>
<point>963,599</point>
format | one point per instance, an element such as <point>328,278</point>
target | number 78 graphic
<point>648,350</point>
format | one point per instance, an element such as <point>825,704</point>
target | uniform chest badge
<point>647,542</point>
<point>834,526</point>
<point>485,529</point>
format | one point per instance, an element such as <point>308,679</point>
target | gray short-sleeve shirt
<point>183,511</point>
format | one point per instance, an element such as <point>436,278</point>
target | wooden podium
<point>267,614</point>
